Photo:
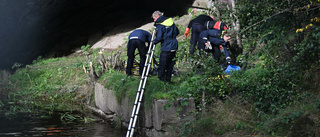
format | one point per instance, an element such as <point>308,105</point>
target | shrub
<point>270,90</point>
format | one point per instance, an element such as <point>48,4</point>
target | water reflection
<point>37,125</point>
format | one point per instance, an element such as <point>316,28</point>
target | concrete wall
<point>154,121</point>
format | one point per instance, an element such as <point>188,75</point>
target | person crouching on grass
<point>137,39</point>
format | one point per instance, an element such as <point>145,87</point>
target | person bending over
<point>211,39</point>
<point>137,39</point>
<point>198,25</point>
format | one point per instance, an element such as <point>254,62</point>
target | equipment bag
<point>232,68</point>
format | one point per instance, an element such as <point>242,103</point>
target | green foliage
<point>282,38</point>
<point>270,90</point>
<point>307,52</point>
<point>48,85</point>
<point>199,127</point>
<point>275,25</point>
<point>176,17</point>
<point>85,49</point>
<point>122,85</point>
<point>4,84</point>
<point>127,87</point>
<point>156,87</point>
<point>190,10</point>
<point>290,118</point>
<point>16,65</point>
<point>300,119</point>
<point>67,118</point>
<point>202,127</point>
<point>118,122</point>
<point>183,52</point>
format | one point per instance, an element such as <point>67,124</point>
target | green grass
<point>50,85</point>
<point>128,86</point>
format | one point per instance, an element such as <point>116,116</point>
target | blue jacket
<point>201,19</point>
<point>214,36</point>
<point>166,34</point>
<point>140,34</point>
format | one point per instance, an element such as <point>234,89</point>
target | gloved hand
<point>228,59</point>
<point>186,33</point>
<point>208,45</point>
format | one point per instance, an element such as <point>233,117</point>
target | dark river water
<point>36,125</point>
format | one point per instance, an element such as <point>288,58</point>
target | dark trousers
<point>196,30</point>
<point>166,64</point>
<point>216,53</point>
<point>132,46</point>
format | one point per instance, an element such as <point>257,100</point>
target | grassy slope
<point>53,84</point>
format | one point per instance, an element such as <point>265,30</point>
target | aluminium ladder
<point>143,80</point>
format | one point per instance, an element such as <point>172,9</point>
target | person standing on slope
<point>166,35</point>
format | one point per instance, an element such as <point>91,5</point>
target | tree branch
<point>286,10</point>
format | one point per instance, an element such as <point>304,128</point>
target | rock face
<point>154,121</point>
<point>32,28</point>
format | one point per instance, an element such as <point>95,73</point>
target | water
<point>36,125</point>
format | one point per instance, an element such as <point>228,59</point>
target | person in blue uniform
<point>198,25</point>
<point>166,35</point>
<point>137,40</point>
<point>211,38</point>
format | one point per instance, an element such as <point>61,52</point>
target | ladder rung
<point>146,68</point>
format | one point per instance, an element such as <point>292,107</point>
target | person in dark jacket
<point>166,35</point>
<point>211,39</point>
<point>197,25</point>
<point>137,39</point>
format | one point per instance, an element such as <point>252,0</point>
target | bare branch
<point>286,10</point>
<point>264,20</point>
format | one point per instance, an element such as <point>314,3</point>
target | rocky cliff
<point>33,28</point>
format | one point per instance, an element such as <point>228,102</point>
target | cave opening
<point>34,28</point>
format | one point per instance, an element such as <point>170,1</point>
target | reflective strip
<point>217,25</point>
<point>207,24</point>
<point>134,37</point>
<point>222,34</point>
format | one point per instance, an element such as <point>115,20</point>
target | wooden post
<point>102,61</point>
<point>203,103</point>
<point>92,74</point>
